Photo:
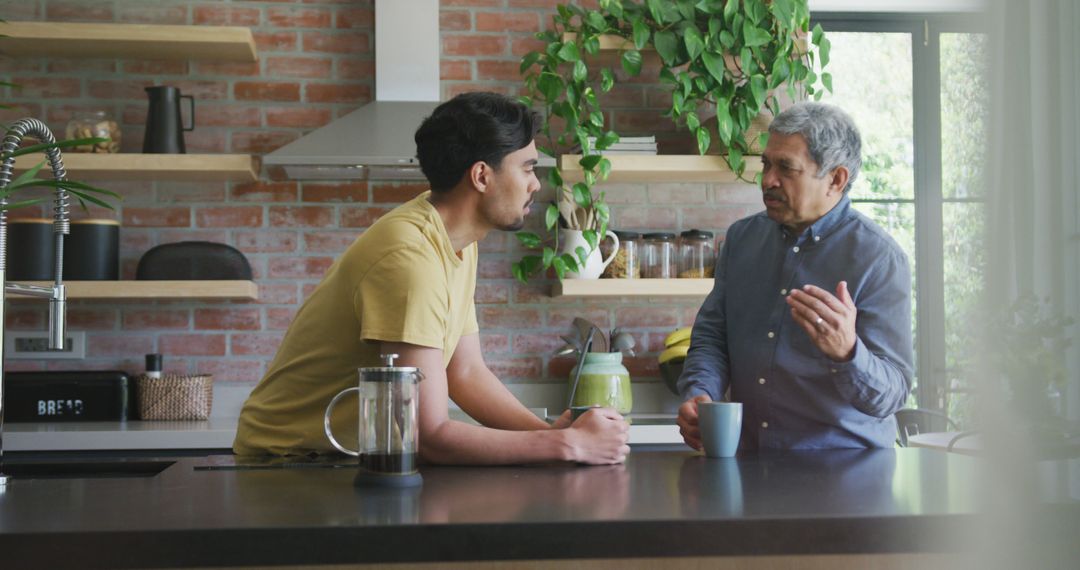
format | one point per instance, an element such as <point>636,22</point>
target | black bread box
<point>66,396</point>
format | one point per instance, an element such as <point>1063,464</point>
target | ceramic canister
<point>92,251</point>
<point>30,249</point>
<point>604,382</point>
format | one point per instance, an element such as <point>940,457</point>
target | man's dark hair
<point>470,128</point>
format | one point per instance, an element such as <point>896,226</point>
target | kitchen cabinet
<point>141,41</point>
<point>178,167</point>
<point>158,290</point>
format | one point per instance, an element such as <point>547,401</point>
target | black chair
<point>912,421</point>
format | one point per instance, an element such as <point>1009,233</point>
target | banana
<point>675,352</point>
<point>677,337</point>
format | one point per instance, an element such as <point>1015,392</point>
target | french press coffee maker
<point>388,427</point>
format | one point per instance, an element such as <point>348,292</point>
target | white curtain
<point>1033,234</point>
<point>1033,239</point>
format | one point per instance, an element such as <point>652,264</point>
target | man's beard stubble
<point>514,226</point>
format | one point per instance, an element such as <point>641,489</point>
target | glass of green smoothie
<point>604,382</point>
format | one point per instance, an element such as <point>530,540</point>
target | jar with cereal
<point>89,124</point>
<point>658,259</point>
<point>626,264</point>
<point>697,257</point>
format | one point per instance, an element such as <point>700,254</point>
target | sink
<point>84,469</point>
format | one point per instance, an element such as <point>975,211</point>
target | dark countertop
<point>218,433</point>
<point>658,504</point>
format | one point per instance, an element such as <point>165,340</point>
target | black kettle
<point>164,127</point>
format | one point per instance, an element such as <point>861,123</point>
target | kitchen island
<point>839,508</point>
<point>218,434</point>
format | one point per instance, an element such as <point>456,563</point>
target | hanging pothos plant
<point>722,57</point>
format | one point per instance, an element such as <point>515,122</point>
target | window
<point>916,87</point>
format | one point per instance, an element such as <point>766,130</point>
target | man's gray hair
<point>831,136</point>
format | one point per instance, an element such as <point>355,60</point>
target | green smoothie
<point>604,382</point>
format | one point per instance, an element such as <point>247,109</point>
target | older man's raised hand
<point>829,320</point>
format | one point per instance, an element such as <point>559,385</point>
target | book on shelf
<point>627,145</point>
<point>630,140</point>
<point>614,151</point>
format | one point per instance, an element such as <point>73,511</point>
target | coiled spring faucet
<point>56,294</point>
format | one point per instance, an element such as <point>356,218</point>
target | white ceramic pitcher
<point>570,240</point>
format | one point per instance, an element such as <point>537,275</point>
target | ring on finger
<point>819,321</point>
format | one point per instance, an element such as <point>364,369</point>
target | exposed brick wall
<point>316,63</point>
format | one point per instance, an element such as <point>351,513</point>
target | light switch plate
<point>34,345</point>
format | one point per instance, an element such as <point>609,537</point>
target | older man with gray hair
<point>809,320</point>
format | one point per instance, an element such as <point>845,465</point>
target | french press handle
<point>387,359</point>
<point>326,422</point>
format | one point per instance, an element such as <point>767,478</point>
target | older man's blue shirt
<point>745,338</point>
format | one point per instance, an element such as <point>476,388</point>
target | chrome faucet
<point>56,294</point>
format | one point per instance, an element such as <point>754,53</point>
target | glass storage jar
<point>604,381</point>
<point>88,124</point>
<point>697,256</point>
<point>626,263</point>
<point>658,256</point>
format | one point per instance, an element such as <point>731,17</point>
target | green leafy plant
<point>727,57</point>
<point>83,193</point>
<point>1026,344</point>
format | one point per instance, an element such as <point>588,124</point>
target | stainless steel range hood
<point>375,142</point>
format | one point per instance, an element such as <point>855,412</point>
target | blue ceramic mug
<point>721,426</point>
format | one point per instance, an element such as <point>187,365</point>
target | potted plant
<point>1027,342</point>
<point>723,58</point>
<point>83,193</point>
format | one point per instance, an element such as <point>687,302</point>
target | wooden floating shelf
<point>604,288</point>
<point>156,290</point>
<point>129,41</point>
<point>612,42</point>
<point>121,166</point>
<point>663,168</point>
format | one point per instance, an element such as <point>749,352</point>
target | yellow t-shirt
<point>400,281</point>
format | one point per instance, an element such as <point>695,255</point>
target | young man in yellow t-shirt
<point>406,286</point>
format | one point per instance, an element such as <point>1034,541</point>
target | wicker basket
<point>174,397</point>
